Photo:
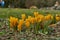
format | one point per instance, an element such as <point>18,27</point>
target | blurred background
<point>29,3</point>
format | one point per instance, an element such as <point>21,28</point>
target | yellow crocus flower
<point>36,14</point>
<point>36,18</point>
<point>57,18</point>
<point>19,27</point>
<point>41,17</point>
<point>20,24</point>
<point>29,18</point>
<point>32,20</point>
<point>27,24</point>
<point>23,16</point>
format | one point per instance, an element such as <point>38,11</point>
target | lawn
<point>7,12</point>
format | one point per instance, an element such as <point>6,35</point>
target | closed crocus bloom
<point>36,14</point>
<point>57,18</point>
<point>15,21</point>
<point>23,16</point>
<point>20,24</point>
<point>32,20</point>
<point>51,17</point>
<point>39,20</point>
<point>27,24</point>
<point>29,18</point>
<point>41,17</point>
<point>48,17</point>
<point>11,19</point>
<point>36,19</point>
<point>19,27</point>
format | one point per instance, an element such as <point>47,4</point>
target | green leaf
<point>1,33</point>
<point>46,24</point>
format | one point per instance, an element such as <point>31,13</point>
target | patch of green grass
<point>7,12</point>
<point>3,32</point>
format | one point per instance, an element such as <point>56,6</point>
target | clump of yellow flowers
<point>13,22</point>
<point>37,18</point>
